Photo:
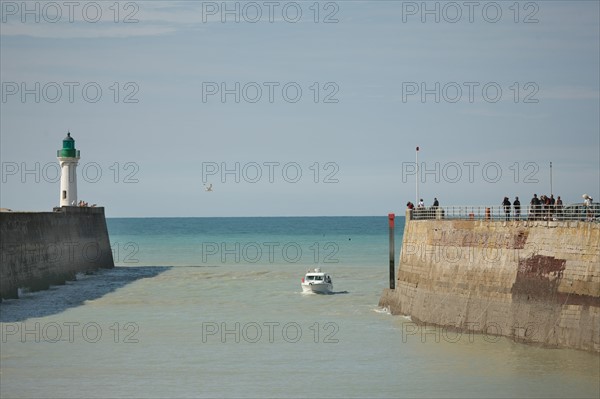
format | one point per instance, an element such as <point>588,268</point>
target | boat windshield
<point>314,278</point>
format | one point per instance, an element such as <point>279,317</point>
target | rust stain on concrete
<point>542,266</point>
<point>482,239</point>
<point>520,239</point>
<point>538,277</point>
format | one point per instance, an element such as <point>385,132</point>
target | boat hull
<point>317,288</point>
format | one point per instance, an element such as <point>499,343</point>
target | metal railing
<point>500,213</point>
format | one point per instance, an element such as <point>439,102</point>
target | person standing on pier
<point>517,206</point>
<point>559,206</point>
<point>587,203</point>
<point>534,207</point>
<point>433,209</point>
<point>420,211</point>
<point>507,205</point>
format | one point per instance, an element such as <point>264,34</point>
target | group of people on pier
<point>422,212</point>
<point>542,208</point>
<point>421,204</point>
<point>545,207</point>
<point>83,203</point>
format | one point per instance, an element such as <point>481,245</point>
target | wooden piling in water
<point>391,217</point>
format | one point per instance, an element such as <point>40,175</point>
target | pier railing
<point>576,212</point>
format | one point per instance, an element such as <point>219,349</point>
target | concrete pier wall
<point>534,281</point>
<point>44,248</point>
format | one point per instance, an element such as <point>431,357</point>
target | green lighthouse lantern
<point>68,150</point>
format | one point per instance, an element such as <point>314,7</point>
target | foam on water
<point>384,310</point>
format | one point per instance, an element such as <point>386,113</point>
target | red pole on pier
<point>391,217</point>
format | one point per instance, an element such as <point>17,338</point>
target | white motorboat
<point>317,281</point>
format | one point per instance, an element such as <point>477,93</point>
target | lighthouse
<point>68,158</point>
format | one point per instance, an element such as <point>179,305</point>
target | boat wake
<point>384,310</point>
<point>324,293</point>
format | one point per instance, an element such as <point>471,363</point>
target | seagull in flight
<point>208,188</point>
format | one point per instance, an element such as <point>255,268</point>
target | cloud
<point>70,20</point>
<point>569,93</point>
<point>104,20</point>
<point>83,30</point>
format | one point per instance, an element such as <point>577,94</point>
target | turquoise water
<point>290,241</point>
<point>213,308</point>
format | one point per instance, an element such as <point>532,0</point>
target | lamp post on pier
<point>551,179</point>
<point>417,177</point>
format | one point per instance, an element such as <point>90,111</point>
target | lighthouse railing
<point>58,155</point>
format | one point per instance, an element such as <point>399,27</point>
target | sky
<point>299,108</point>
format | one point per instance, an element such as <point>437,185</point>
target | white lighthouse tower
<point>68,158</point>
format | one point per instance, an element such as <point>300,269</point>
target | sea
<point>212,307</point>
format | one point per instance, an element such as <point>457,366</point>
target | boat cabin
<point>317,278</point>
